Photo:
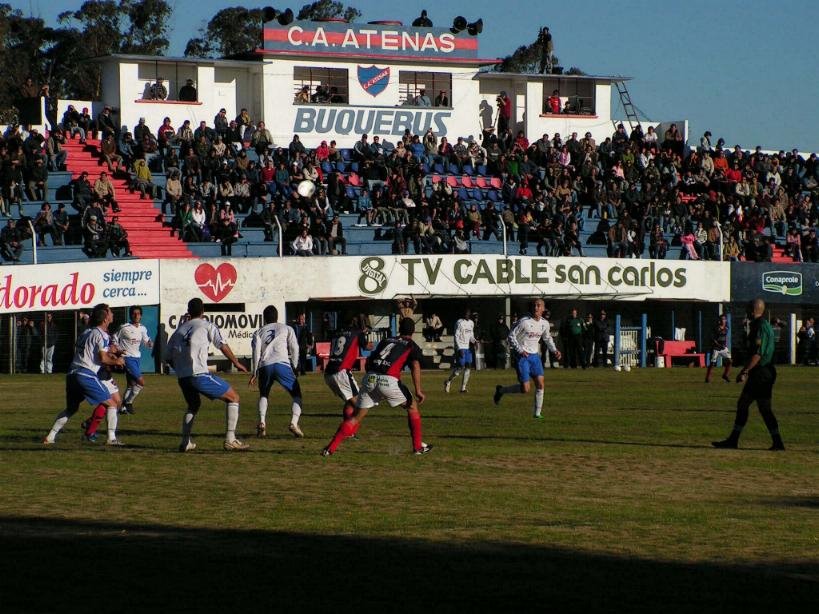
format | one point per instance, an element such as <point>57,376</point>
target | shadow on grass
<point>69,565</point>
<point>806,502</point>
<point>606,442</point>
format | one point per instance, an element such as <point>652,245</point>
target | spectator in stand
<point>54,150</point>
<point>226,235</point>
<point>72,124</point>
<point>158,91</point>
<point>11,241</point>
<point>261,140</point>
<point>118,239</point>
<point>143,180</point>
<point>108,149</point>
<point>37,185</point>
<point>94,243</point>
<point>44,224</point>
<point>187,93</point>
<point>105,193</point>
<point>61,223</point>
<point>303,243</point>
<point>504,104</point>
<point>442,100</point>
<point>335,237</point>
<point>221,123</point>
<point>105,123</point>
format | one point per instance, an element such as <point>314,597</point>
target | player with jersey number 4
<point>382,382</point>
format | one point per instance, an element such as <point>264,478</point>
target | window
<point>433,83</point>
<point>324,85</point>
<point>579,93</point>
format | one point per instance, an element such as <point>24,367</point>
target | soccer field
<point>615,501</point>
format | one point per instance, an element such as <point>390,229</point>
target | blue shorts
<point>132,368</point>
<point>82,384</point>
<point>464,358</point>
<point>529,367</point>
<point>209,385</point>
<point>279,372</point>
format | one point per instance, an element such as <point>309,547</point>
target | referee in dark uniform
<point>759,375</point>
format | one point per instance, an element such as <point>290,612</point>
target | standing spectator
<point>504,104</point>
<point>61,223</point>
<point>572,331</point>
<point>601,340</point>
<point>589,332</point>
<point>806,348</point>
<point>335,237</point>
<point>48,329</point>
<point>44,224</point>
<point>306,341</point>
<point>187,93</point>
<point>105,123</point>
<point>37,186</point>
<point>498,336</point>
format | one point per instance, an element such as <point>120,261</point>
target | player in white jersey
<point>129,338</point>
<point>187,351</point>
<point>91,353</point>
<point>464,340</point>
<point>524,340</point>
<point>275,358</point>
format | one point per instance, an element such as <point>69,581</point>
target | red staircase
<point>780,256</point>
<point>141,218</point>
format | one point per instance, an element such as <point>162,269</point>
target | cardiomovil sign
<point>54,287</point>
<point>775,282</point>
<point>368,40</point>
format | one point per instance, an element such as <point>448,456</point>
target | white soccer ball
<point>617,367</point>
<point>627,368</point>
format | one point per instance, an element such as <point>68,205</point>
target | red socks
<point>414,421</point>
<point>348,411</point>
<point>95,419</point>
<point>347,429</point>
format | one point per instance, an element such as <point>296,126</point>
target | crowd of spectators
<point>636,193</point>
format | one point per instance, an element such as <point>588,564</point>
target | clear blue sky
<point>746,70</point>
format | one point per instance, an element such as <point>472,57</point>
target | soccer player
<point>524,340</point>
<point>275,359</point>
<point>187,351</point>
<point>382,383</point>
<point>464,340</point>
<point>91,353</point>
<point>760,374</point>
<point>129,338</point>
<point>344,351</point>
<point>719,347</point>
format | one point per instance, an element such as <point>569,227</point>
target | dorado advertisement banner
<point>72,285</point>
<point>236,291</point>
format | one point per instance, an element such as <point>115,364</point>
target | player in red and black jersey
<point>382,383</point>
<point>345,348</point>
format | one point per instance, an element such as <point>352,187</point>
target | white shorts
<point>376,388</point>
<point>725,353</point>
<point>342,383</point>
<point>110,386</point>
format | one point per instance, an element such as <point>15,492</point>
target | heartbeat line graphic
<point>218,285</point>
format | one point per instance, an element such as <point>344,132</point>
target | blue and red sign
<point>373,79</point>
<point>347,40</point>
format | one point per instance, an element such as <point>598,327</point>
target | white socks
<point>262,405</point>
<point>296,409</point>
<point>187,427</point>
<point>111,415</point>
<point>232,419</point>
<point>59,423</point>
<point>466,379</point>
<point>453,374</point>
<point>538,401</point>
<point>131,393</point>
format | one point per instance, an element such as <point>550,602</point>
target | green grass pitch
<point>614,502</point>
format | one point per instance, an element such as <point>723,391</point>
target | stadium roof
<point>493,74</point>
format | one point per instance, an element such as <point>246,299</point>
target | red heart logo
<point>215,283</point>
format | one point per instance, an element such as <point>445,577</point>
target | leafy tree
<point>327,9</point>
<point>237,29</point>
<point>527,58</point>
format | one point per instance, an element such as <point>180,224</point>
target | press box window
<point>324,85</point>
<point>433,83</point>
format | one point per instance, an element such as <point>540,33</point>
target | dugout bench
<point>678,349</point>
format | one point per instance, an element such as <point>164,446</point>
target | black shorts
<point>759,384</point>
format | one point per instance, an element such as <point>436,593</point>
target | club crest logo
<point>373,79</point>
<point>215,282</point>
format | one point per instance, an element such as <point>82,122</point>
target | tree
<point>527,58</point>
<point>238,30</point>
<point>327,9</point>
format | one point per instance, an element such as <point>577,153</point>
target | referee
<point>759,375</point>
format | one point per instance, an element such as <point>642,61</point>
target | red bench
<point>323,356</point>
<point>679,349</point>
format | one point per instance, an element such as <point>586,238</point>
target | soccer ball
<point>627,368</point>
<point>617,367</point>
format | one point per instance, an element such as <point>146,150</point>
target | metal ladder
<point>628,106</point>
